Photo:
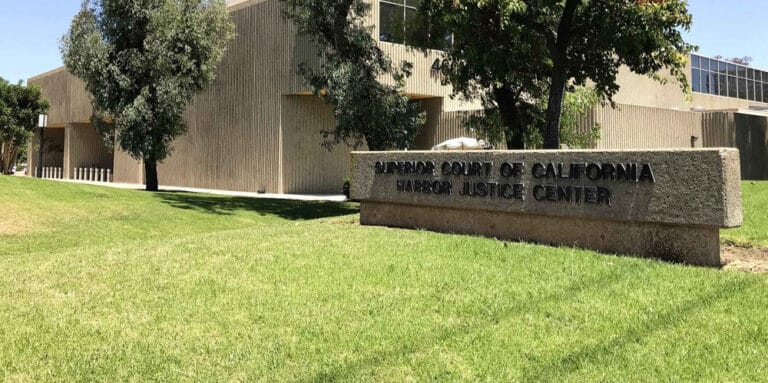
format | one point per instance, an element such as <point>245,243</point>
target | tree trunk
<point>150,174</point>
<point>559,72</point>
<point>510,117</point>
<point>2,157</point>
<point>11,159</point>
<point>8,158</point>
<point>554,109</point>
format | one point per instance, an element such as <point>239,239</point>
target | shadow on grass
<point>226,205</point>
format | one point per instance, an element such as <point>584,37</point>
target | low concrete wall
<point>666,204</point>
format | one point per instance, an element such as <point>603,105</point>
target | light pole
<point>42,123</point>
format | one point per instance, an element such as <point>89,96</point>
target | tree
<point>348,76</point>
<point>592,39</point>
<point>577,104</point>
<point>19,108</point>
<point>142,62</point>
<point>524,45</point>
<point>490,60</point>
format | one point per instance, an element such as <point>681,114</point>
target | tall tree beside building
<point>592,39</point>
<point>489,60</point>
<point>348,76</point>
<point>19,107</point>
<point>142,62</point>
<point>564,43</point>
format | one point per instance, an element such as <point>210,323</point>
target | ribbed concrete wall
<point>67,96</point>
<point>126,169</point>
<point>307,166</point>
<point>233,139</point>
<point>718,129</point>
<point>84,148</point>
<point>637,127</point>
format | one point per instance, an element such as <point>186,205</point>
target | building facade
<point>258,128</point>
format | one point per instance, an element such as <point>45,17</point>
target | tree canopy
<point>143,61</point>
<point>19,108</point>
<point>348,76</point>
<point>516,51</point>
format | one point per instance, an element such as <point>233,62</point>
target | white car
<point>461,143</point>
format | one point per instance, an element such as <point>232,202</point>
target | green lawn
<point>113,285</point>
<point>754,232</point>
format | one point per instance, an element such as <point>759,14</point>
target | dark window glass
<point>723,85</point>
<point>391,23</point>
<point>752,90</point>
<point>742,88</point>
<point>695,61</point>
<point>713,85</point>
<point>750,74</point>
<point>696,81</point>
<point>731,69</point>
<point>742,71</point>
<point>758,91</point>
<point>705,83</point>
<point>732,87</point>
<point>416,33</point>
<point>765,92</point>
<point>721,67</point>
<point>401,23</point>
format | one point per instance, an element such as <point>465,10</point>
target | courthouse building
<point>257,127</point>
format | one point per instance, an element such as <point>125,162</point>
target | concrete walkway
<point>297,197</point>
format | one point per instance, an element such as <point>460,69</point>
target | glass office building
<point>723,78</point>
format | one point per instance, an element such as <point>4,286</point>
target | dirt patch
<point>743,258</point>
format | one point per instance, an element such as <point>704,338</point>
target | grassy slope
<point>755,204</point>
<point>120,285</point>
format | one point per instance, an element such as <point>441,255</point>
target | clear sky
<point>30,31</point>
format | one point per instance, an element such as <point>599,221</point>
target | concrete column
<point>68,158</point>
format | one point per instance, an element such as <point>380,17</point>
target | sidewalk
<point>297,197</point>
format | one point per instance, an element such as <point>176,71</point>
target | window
<point>399,23</point>
<point>695,62</point>
<point>727,79</point>
<point>742,88</point>
<point>765,92</point>
<point>696,81</point>
<point>723,89</point>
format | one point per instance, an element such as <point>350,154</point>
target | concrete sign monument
<point>667,204</point>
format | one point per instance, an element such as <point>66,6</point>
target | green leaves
<point>514,54</point>
<point>143,61</point>
<point>19,107</point>
<point>366,110</point>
